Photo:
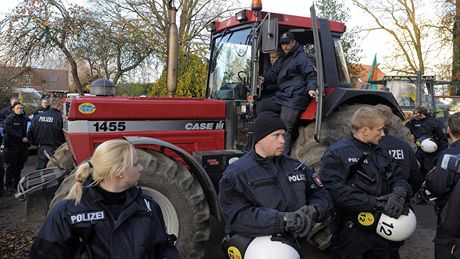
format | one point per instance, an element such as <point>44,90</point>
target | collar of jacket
<point>455,143</point>
<point>265,161</point>
<point>52,109</point>
<point>368,146</point>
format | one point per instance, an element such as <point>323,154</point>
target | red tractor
<point>185,144</point>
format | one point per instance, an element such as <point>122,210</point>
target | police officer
<point>44,106</point>
<point>295,75</point>
<point>402,152</point>
<point>362,178</point>
<point>7,110</point>
<point>444,184</point>
<point>16,146</point>
<point>105,214</point>
<point>267,193</point>
<point>423,126</point>
<point>46,132</point>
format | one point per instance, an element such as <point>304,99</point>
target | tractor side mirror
<point>270,35</point>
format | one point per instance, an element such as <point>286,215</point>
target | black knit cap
<point>266,123</point>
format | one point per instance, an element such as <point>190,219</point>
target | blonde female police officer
<point>105,215</point>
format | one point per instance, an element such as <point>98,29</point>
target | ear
<point>365,131</point>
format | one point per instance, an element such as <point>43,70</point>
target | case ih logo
<point>205,126</point>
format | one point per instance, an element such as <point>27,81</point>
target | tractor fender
<point>358,96</point>
<point>194,166</point>
<point>336,97</point>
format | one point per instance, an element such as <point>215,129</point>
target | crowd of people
<point>19,132</point>
<point>269,201</point>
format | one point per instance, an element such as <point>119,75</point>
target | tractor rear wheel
<point>181,199</point>
<point>334,128</point>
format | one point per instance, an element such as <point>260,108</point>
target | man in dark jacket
<point>16,146</point>
<point>7,110</point>
<point>363,179</point>
<point>44,106</point>
<point>423,126</point>
<point>295,75</point>
<point>267,193</point>
<point>46,132</point>
<point>444,184</point>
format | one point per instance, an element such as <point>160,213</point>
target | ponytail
<point>81,174</point>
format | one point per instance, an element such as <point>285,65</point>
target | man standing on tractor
<point>364,181</point>
<point>295,75</point>
<point>266,193</point>
<point>429,137</point>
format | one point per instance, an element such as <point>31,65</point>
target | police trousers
<point>14,157</point>
<point>445,246</point>
<point>42,159</point>
<point>351,242</point>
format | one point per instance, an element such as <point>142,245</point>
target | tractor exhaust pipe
<point>171,80</point>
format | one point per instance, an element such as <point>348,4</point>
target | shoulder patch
<point>317,179</point>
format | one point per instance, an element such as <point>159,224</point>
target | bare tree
<point>456,45</point>
<point>406,27</point>
<point>193,16</point>
<point>38,27</point>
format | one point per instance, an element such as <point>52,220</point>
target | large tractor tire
<point>334,128</point>
<point>181,198</point>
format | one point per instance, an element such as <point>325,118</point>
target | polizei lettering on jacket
<point>219,125</point>
<point>296,177</point>
<point>46,119</point>
<point>397,154</point>
<point>87,217</point>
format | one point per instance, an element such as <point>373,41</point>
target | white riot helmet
<point>396,229</point>
<point>428,145</point>
<point>264,247</point>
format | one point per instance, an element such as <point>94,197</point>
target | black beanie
<point>266,123</point>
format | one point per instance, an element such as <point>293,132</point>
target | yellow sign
<point>234,253</point>
<point>366,218</point>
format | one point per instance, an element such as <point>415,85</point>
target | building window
<point>53,79</point>
<point>28,79</point>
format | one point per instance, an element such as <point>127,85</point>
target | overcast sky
<point>376,42</point>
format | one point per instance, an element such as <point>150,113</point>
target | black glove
<point>299,222</point>
<point>394,204</point>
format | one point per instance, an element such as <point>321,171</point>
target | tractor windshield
<point>229,65</point>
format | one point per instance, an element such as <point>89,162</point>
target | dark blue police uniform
<point>402,152</point>
<point>15,151</point>
<point>90,230</point>
<point>46,132</point>
<point>294,73</point>
<point>353,193</point>
<point>256,192</point>
<point>41,110</point>
<point>428,127</point>
<point>444,185</point>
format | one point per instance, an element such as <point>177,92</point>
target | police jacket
<point>256,192</point>
<point>46,128</point>
<point>428,127</point>
<point>15,127</point>
<point>350,191</point>
<point>41,110</point>
<point>4,114</point>
<point>402,152</point>
<point>295,74</point>
<point>89,230</point>
<point>444,184</point>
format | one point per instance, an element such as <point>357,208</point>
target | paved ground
<point>16,232</point>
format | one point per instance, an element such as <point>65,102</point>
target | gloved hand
<point>299,222</point>
<point>394,204</point>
